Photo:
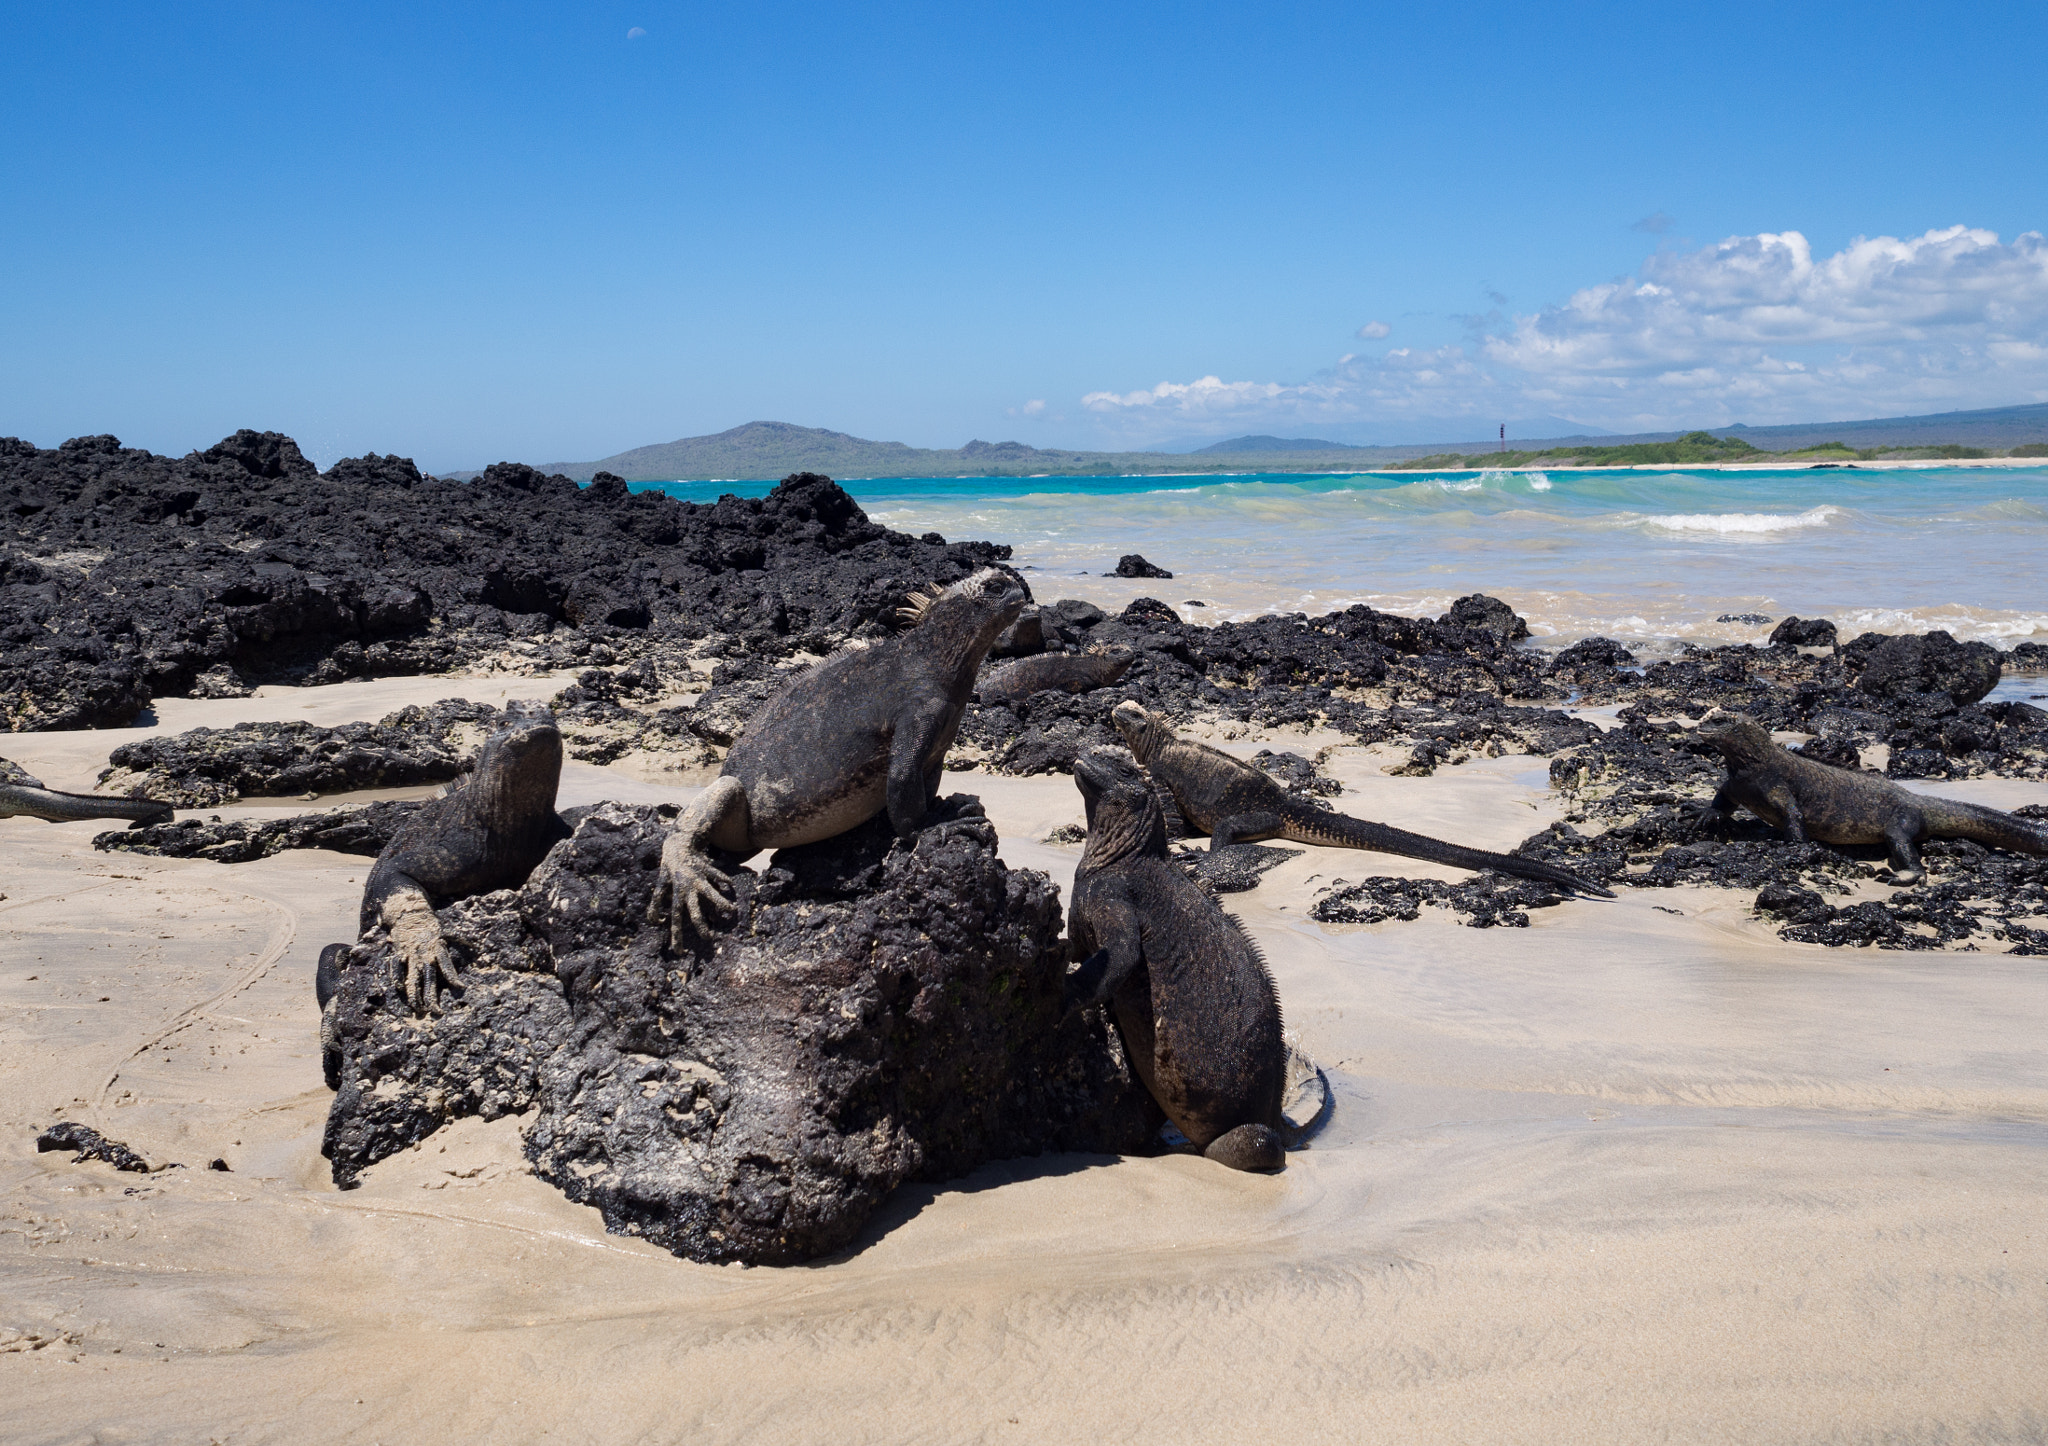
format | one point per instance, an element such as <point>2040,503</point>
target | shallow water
<point>1638,555</point>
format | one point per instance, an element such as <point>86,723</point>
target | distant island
<point>761,451</point>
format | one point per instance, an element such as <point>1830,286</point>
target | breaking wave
<point>1741,522</point>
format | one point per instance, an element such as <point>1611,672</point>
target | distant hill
<point>766,450</point>
<point>1991,427</point>
<point>1238,445</point>
<point>763,451</point>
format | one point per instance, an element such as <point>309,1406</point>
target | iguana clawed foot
<point>688,891</point>
<point>416,935</point>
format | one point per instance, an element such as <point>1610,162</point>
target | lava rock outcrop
<point>879,1011</point>
<point>363,830</point>
<point>126,576</point>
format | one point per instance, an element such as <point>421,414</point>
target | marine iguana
<point>1233,802</point>
<point>1067,672</point>
<point>1804,798</point>
<point>488,833</point>
<point>1192,998</point>
<point>863,731</point>
<point>21,794</point>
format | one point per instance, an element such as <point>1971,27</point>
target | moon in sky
<point>636,33</point>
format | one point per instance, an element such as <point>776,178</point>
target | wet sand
<point>1640,1171</point>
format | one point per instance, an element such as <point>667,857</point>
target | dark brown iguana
<point>488,833</point>
<point>1067,672</point>
<point>863,731</point>
<point>21,794</point>
<point>1804,798</point>
<point>1233,802</point>
<point>1197,1010</point>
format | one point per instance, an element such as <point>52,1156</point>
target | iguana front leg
<point>1114,926</point>
<point>415,933</point>
<point>687,885</point>
<point>1722,805</point>
<point>916,734</point>
<point>1791,823</point>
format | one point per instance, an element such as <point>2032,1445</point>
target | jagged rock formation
<point>207,767</point>
<point>879,1011</point>
<point>362,830</point>
<point>126,576</point>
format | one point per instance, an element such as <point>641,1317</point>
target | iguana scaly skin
<point>1804,798</point>
<point>489,833</point>
<point>1197,1010</point>
<point>1233,802</point>
<point>864,731</point>
<point>1067,672</point>
<point>22,795</point>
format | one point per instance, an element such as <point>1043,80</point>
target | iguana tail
<point>57,807</point>
<point>1343,831</point>
<point>1951,818</point>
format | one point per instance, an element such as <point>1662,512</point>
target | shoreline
<point>1904,464</point>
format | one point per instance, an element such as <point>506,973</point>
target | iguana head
<point>520,765</point>
<point>965,618</point>
<point>1119,656</point>
<point>1123,814</point>
<point>1146,733</point>
<point>1734,736</point>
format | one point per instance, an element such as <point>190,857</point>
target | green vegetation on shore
<point>1694,449</point>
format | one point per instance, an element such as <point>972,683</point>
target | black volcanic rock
<point>1897,668</point>
<point>1804,633</point>
<point>126,576</point>
<point>210,766</point>
<point>1132,564</point>
<point>1487,615</point>
<point>90,1144</point>
<point>363,830</point>
<point>879,1011</point>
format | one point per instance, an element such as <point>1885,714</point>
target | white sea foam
<point>1539,482</point>
<point>1470,485</point>
<point>1738,522</point>
<point>1967,623</point>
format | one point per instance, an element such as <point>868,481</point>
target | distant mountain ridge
<point>763,451</point>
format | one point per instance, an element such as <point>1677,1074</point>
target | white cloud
<point>1752,329</point>
<point>1374,330</point>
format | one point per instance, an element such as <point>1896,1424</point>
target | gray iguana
<point>489,833</point>
<point>1233,802</point>
<point>1066,672</point>
<point>1193,1000</point>
<point>1804,798</point>
<point>864,731</point>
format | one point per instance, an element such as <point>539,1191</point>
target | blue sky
<point>470,232</point>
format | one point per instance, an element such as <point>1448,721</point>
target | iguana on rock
<point>488,833</point>
<point>864,731</point>
<point>1233,802</point>
<point>1197,1010</point>
<point>1066,672</point>
<point>1804,798</point>
<point>21,794</point>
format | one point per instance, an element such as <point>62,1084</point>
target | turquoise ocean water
<point>1652,557</point>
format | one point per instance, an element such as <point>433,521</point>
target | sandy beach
<point>1640,1171</point>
